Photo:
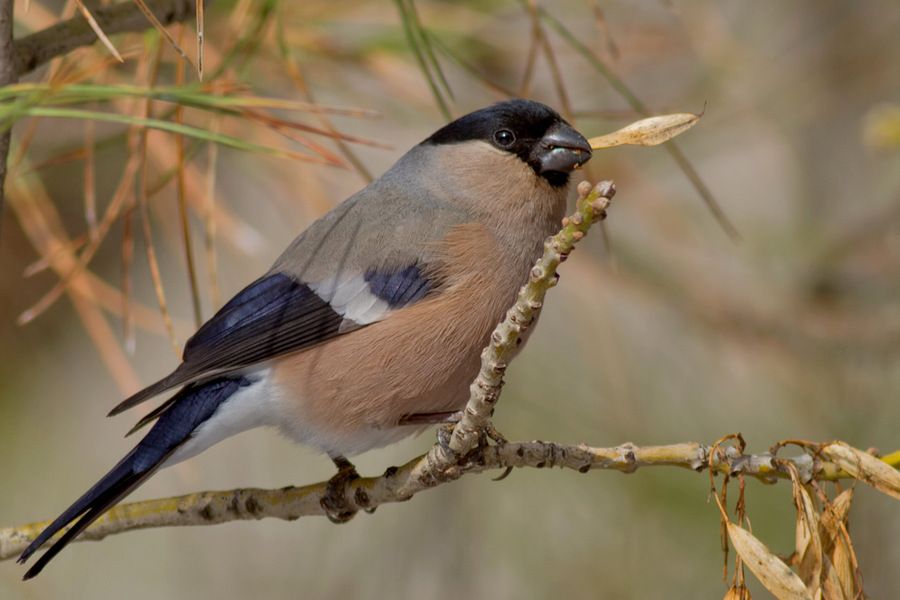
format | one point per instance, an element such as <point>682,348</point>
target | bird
<point>369,326</point>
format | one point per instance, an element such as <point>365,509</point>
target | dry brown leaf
<point>200,37</point>
<point>737,592</point>
<point>161,29</point>
<point>834,515</point>
<point>97,30</point>
<point>808,542</point>
<point>647,132</point>
<point>865,467</point>
<point>842,564</point>
<point>771,571</point>
<point>832,588</point>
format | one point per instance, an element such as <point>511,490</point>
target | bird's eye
<point>504,137</point>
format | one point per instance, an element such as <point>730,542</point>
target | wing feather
<point>277,314</point>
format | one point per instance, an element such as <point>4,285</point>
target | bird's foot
<point>334,501</point>
<point>488,434</point>
<point>495,436</point>
<point>491,433</point>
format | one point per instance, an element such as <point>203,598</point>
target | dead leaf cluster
<point>823,565</point>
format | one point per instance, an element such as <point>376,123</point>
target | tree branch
<point>485,390</point>
<point>467,450</point>
<point>34,50</point>
<point>398,484</point>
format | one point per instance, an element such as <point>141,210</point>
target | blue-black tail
<point>190,407</point>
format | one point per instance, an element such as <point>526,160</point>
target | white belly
<point>249,407</point>
<point>261,404</point>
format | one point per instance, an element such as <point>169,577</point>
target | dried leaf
<point>834,515</point>
<point>776,576</point>
<point>97,30</point>
<point>647,132</point>
<point>842,562</point>
<point>161,28</point>
<point>201,18</point>
<point>832,588</point>
<point>865,467</point>
<point>737,592</point>
<point>808,542</point>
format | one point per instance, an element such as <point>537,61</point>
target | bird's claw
<point>334,500</point>
<point>487,435</point>
<point>491,433</point>
<point>495,436</point>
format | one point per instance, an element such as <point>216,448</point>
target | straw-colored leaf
<point>842,560</point>
<point>647,132</point>
<point>771,571</point>
<point>96,27</point>
<point>833,517</point>
<point>808,542</point>
<point>832,588</point>
<point>161,29</point>
<point>865,467</point>
<point>737,592</point>
<point>201,19</point>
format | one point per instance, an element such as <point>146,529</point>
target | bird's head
<point>532,131</point>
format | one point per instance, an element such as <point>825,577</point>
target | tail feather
<point>186,411</point>
<point>173,379</point>
<point>115,485</point>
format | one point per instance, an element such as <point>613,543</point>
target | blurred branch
<point>20,57</point>
<point>7,76</point>
<point>398,484</point>
<point>34,50</point>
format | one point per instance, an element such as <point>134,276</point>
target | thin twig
<point>101,35</point>
<point>297,77</point>
<point>485,390</point>
<point>34,50</point>
<point>161,29</point>
<point>182,202</point>
<point>146,227</point>
<point>398,484</point>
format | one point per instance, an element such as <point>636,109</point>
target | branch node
<point>702,460</point>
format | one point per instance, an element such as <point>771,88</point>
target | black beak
<point>562,149</point>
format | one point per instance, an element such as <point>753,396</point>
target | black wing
<point>275,315</point>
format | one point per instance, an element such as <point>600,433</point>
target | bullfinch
<point>370,325</point>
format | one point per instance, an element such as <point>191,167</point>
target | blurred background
<point>665,329</point>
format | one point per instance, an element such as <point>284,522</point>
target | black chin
<point>555,178</point>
